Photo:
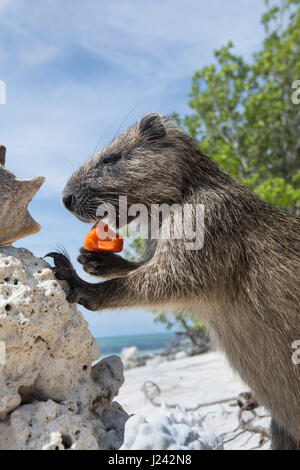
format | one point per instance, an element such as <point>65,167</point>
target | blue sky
<point>75,70</point>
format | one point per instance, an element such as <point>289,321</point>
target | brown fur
<point>244,283</point>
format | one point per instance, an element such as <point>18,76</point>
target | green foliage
<point>191,328</point>
<point>135,246</point>
<point>243,114</point>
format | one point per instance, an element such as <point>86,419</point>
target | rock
<point>51,397</point>
<point>181,355</point>
<point>15,195</point>
<point>169,429</point>
<point>155,361</point>
<point>160,432</point>
<point>130,357</point>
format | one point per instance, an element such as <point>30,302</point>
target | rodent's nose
<point>69,201</point>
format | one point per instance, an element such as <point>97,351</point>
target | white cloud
<point>73,70</point>
<point>155,47</point>
<point>161,38</point>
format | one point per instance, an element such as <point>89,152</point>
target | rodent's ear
<point>152,126</point>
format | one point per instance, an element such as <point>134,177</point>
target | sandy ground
<point>192,381</point>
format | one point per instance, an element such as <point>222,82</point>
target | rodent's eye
<point>111,159</point>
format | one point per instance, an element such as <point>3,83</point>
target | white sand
<point>189,382</point>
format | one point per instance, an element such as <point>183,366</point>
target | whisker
<point>102,135</point>
<point>128,114</point>
<point>61,249</point>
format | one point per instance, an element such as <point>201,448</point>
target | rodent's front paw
<point>64,271</point>
<point>97,263</point>
<point>79,292</point>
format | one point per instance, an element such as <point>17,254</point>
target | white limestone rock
<point>50,394</point>
<point>160,433</point>
<point>168,429</point>
<point>130,357</point>
<point>181,355</point>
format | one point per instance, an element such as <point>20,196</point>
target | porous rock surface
<point>51,396</point>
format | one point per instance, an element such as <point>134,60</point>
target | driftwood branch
<point>151,391</point>
<point>246,402</point>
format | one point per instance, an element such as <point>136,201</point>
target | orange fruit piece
<point>112,244</point>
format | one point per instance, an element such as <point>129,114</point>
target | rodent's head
<point>144,163</point>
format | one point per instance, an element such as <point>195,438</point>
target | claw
<point>49,255</point>
<point>59,259</point>
<point>64,271</point>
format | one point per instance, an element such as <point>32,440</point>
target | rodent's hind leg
<point>105,264</point>
<point>281,438</point>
